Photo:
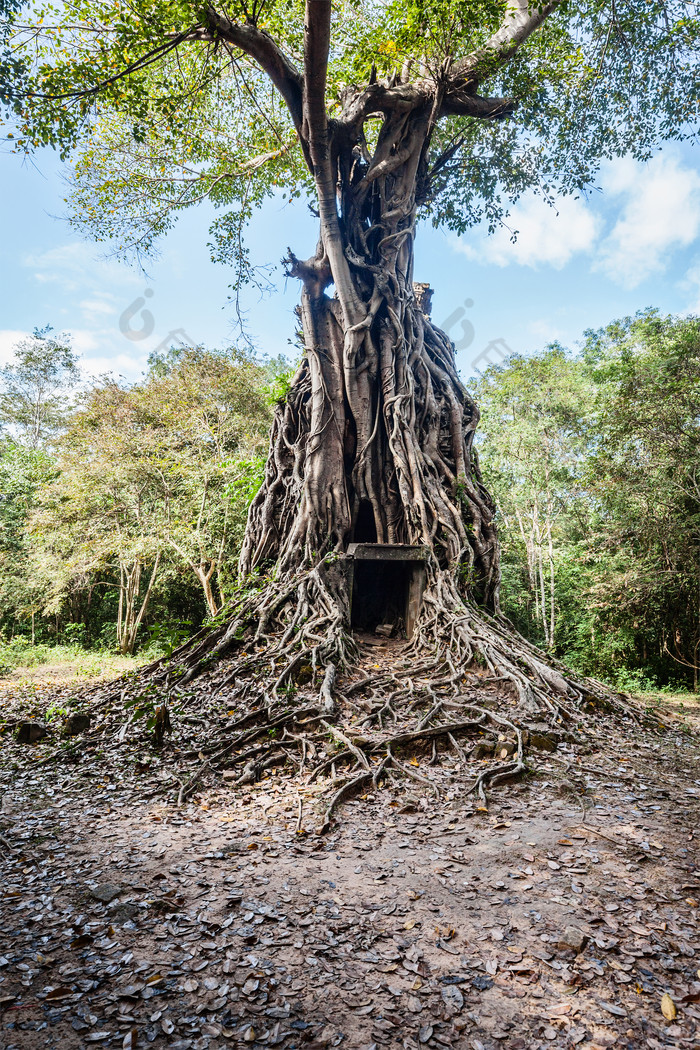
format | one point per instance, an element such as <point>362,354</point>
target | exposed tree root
<point>466,687</point>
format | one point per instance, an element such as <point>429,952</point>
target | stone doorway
<point>386,587</point>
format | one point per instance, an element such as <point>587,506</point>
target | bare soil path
<point>565,916</point>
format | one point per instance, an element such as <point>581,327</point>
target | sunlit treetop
<point>163,103</point>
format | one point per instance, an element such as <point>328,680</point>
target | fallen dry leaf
<point>668,1007</point>
<point>59,993</point>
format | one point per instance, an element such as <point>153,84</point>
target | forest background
<point>122,505</point>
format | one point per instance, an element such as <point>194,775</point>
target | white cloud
<point>661,213</point>
<point>545,235</point>
<point>105,289</point>
<point>9,338</point>
<point>66,265</point>
<point>124,365</point>
<point>97,306</point>
<point>99,309</point>
<point>691,284</point>
<point>77,267</point>
<point>84,341</point>
<point>546,332</point>
<point>99,351</point>
<point>114,315</point>
<point>652,211</point>
<point>103,351</point>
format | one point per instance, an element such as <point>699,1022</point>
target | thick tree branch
<point>315,130</point>
<point>522,19</point>
<point>459,100</point>
<point>261,47</point>
<point>381,98</point>
<point>317,42</point>
<point>460,103</point>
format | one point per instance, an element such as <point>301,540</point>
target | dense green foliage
<point>132,512</point>
<point>592,457</point>
<point>163,103</point>
<point>594,461</point>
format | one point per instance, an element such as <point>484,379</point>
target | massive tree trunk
<point>375,439</point>
<point>374,442</point>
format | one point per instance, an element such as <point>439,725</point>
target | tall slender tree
<point>35,388</point>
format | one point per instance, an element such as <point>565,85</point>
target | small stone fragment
<point>125,912</point>
<point>542,742</point>
<point>76,724</point>
<point>385,630</point>
<point>482,984</point>
<point>327,1037</point>
<point>452,998</point>
<point>106,892</point>
<point>30,732</point>
<point>484,749</point>
<point>668,1007</point>
<point>573,938</point>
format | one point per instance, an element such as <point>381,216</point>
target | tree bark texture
<point>375,439</point>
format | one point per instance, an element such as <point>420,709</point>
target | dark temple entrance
<point>386,586</point>
<point>380,594</point>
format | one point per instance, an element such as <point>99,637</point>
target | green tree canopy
<point>152,477</point>
<point>23,471</point>
<point>593,459</point>
<point>535,412</point>
<point>164,103</point>
<point>34,389</point>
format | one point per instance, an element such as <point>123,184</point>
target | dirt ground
<point>67,672</point>
<point>565,916</point>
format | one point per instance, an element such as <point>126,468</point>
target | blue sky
<point>634,243</point>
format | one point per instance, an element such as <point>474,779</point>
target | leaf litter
<point>566,915</point>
